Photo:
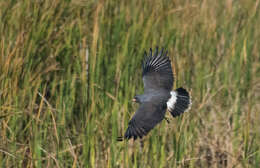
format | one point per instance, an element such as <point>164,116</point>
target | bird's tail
<point>179,102</point>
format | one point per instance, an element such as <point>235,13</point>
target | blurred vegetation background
<point>69,69</point>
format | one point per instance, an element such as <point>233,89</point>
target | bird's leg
<point>141,144</point>
<point>167,119</point>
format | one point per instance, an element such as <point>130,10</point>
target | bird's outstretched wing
<point>157,71</point>
<point>145,118</point>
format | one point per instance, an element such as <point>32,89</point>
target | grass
<point>68,70</point>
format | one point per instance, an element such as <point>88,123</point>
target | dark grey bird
<point>158,95</point>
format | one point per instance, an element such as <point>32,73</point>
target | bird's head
<point>136,99</point>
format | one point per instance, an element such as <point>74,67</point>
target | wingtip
<point>151,51</point>
<point>161,52</point>
<point>166,53</point>
<point>157,52</point>
<point>134,131</point>
<point>154,59</point>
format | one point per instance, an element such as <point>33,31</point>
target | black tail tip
<point>183,92</point>
<point>183,102</point>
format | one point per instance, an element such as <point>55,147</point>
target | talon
<point>168,121</point>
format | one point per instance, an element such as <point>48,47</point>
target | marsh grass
<point>68,70</point>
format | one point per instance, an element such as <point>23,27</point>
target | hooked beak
<point>134,100</point>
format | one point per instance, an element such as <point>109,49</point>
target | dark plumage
<point>158,82</point>
<point>157,71</point>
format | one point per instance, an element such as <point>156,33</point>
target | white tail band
<point>172,101</point>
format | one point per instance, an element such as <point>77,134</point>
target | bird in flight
<point>158,95</point>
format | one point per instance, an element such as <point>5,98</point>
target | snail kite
<point>158,95</point>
